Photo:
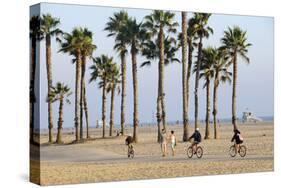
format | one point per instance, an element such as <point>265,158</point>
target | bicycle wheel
<point>189,152</point>
<point>242,151</point>
<point>232,151</point>
<point>132,153</point>
<point>199,152</point>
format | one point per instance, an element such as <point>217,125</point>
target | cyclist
<point>196,139</point>
<point>237,138</point>
<point>129,143</point>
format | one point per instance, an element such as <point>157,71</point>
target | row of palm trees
<point>108,73</point>
<point>214,67</point>
<point>215,64</point>
<point>42,28</point>
<point>78,44</point>
<point>156,38</point>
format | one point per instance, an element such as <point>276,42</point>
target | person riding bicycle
<point>237,138</point>
<point>196,138</point>
<point>129,143</point>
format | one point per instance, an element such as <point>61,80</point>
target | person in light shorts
<point>163,143</point>
<point>173,142</point>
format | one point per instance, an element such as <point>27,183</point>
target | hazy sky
<point>255,81</point>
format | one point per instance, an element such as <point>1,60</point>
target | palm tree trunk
<point>83,66</point>
<point>184,50</point>
<point>188,81</point>
<point>86,109</point>
<point>234,91</point>
<point>207,130</point>
<point>77,94</point>
<point>216,84</point>
<point>32,88</point>
<point>197,81</point>
<point>123,92</point>
<point>163,110</point>
<point>49,78</point>
<point>103,107</point>
<point>31,128</point>
<point>135,90</point>
<point>161,69</point>
<point>112,111</point>
<point>60,121</point>
<point>158,106</point>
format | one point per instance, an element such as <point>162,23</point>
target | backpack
<point>240,137</point>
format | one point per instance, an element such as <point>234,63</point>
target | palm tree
<point>234,44</point>
<point>191,38</point>
<point>35,35</point>
<point>87,51</point>
<point>101,69</point>
<point>221,74</point>
<point>114,27</point>
<point>207,73</point>
<point>202,30</point>
<point>73,44</point>
<point>151,52</point>
<point>134,36</point>
<point>49,28</point>
<point>58,93</point>
<point>157,23</point>
<point>184,59</point>
<point>114,83</point>
<point>191,44</point>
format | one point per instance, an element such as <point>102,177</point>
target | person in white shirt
<point>163,143</point>
<point>173,142</point>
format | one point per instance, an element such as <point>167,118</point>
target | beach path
<point>80,153</point>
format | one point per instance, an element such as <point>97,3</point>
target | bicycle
<point>242,150</point>
<point>198,151</point>
<point>131,151</point>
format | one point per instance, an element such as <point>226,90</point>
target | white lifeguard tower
<point>99,124</point>
<point>249,116</point>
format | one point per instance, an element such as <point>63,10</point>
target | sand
<point>98,160</point>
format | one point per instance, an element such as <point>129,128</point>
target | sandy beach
<point>98,160</point>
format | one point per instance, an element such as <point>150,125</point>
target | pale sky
<point>255,81</point>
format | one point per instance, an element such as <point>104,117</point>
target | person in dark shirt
<point>237,138</point>
<point>196,136</point>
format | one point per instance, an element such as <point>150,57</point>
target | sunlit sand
<point>98,160</point>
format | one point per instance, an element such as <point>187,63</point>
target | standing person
<point>173,142</point>
<point>163,143</point>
